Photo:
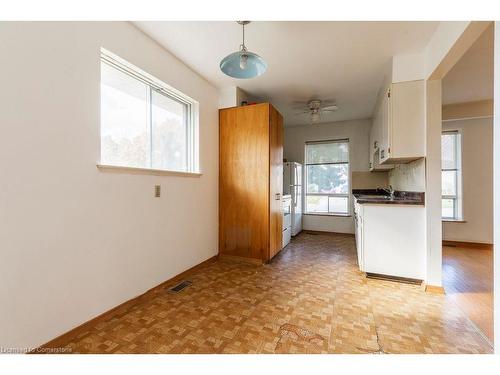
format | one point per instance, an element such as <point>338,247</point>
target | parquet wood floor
<point>468,281</point>
<point>311,298</point>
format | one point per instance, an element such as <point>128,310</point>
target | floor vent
<point>181,286</point>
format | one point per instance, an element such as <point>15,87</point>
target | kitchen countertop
<point>379,196</point>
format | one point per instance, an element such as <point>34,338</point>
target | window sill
<point>453,221</point>
<point>144,171</point>
<point>324,214</point>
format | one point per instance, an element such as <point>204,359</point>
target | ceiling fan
<point>315,108</point>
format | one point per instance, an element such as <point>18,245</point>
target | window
<point>451,175</point>
<point>327,177</point>
<point>144,122</point>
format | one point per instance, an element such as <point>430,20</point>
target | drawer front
<point>287,236</point>
<point>287,221</point>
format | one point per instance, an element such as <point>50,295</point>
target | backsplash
<point>369,180</point>
<point>408,177</point>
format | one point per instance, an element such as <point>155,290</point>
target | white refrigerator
<point>292,184</point>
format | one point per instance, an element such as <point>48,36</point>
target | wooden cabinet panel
<point>244,181</point>
<point>275,182</point>
<point>250,181</point>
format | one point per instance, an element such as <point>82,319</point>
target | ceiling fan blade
<point>330,108</point>
<point>302,103</point>
<point>301,113</point>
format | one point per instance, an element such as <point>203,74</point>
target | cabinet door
<point>372,140</point>
<point>359,233</point>
<point>275,182</point>
<point>385,125</point>
<point>407,121</point>
<point>375,138</point>
<point>244,181</point>
<point>377,124</point>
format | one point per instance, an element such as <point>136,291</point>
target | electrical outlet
<point>157,191</point>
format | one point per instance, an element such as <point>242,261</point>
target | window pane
<point>338,205</point>
<point>448,151</point>
<point>448,208</point>
<point>317,203</point>
<point>169,133</point>
<point>334,152</point>
<point>449,182</point>
<point>330,178</point>
<point>124,119</point>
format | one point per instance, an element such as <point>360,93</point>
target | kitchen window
<point>327,177</point>
<point>145,123</point>
<point>451,175</point>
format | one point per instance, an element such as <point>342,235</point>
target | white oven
<point>287,219</point>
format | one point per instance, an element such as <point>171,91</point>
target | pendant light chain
<point>243,48</point>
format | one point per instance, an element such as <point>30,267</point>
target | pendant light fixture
<point>243,64</point>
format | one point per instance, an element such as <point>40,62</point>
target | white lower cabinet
<point>358,224</point>
<point>390,239</point>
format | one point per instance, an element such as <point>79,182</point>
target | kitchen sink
<point>374,196</point>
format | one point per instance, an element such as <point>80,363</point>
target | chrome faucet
<point>390,191</point>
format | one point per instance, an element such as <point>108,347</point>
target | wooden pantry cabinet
<point>250,182</point>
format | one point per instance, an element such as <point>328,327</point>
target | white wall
<point>477,179</point>
<point>408,67</point>
<point>408,177</point>
<point>74,241</point>
<point>233,96</point>
<point>496,189</point>
<point>433,183</point>
<point>357,131</point>
<point>228,97</point>
<point>442,41</point>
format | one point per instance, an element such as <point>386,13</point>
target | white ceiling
<point>343,61</point>
<point>471,78</point>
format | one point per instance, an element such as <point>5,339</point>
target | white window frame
<point>346,195</point>
<point>458,198</point>
<point>160,87</point>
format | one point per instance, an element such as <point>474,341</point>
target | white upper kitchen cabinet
<point>375,142</point>
<point>402,122</point>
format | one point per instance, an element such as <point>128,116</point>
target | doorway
<point>467,182</point>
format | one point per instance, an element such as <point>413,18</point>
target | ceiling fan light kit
<point>315,117</point>
<point>315,110</point>
<point>243,63</point>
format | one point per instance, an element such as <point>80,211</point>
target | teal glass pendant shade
<point>243,64</point>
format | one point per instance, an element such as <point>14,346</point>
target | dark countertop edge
<point>394,202</point>
<point>413,198</point>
